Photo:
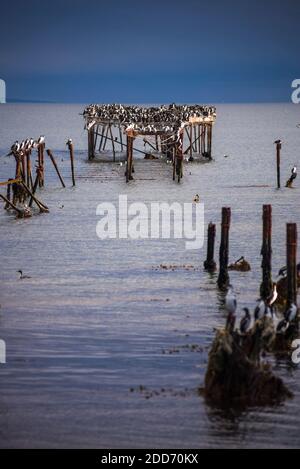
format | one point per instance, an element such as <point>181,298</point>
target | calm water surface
<point>93,321</point>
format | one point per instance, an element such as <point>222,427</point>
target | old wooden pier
<point>176,132</point>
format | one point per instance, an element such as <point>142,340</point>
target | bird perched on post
<point>293,176</point>
<point>278,142</point>
<point>41,139</point>
<point>14,148</point>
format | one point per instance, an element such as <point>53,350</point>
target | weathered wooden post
<point>191,141</point>
<point>130,138</point>
<point>49,153</point>
<point>209,263</point>
<point>291,262</point>
<point>278,148</point>
<point>266,252</point>
<point>70,146</point>
<point>28,169</point>
<point>91,146</point>
<point>223,278</point>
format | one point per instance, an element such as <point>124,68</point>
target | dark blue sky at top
<point>149,51</point>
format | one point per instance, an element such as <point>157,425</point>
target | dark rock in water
<point>149,156</point>
<point>234,376</point>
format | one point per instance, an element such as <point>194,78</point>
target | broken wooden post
<point>291,262</point>
<point>70,146</point>
<point>91,151</point>
<point>278,148</point>
<point>41,206</point>
<point>209,263</point>
<point>12,205</point>
<point>266,252</point>
<point>49,153</point>
<point>34,187</point>
<point>223,279</point>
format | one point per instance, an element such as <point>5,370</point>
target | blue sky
<point>149,51</point>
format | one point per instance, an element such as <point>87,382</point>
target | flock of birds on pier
<point>263,308</point>
<point>165,119</point>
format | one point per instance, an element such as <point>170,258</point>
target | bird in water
<point>245,321</point>
<point>226,156</point>
<point>22,277</point>
<point>196,198</point>
<point>230,300</point>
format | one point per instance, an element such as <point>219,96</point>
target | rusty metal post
<point>266,252</point>
<point>223,279</point>
<point>291,262</point>
<point>209,263</point>
<point>71,150</point>
<point>49,153</point>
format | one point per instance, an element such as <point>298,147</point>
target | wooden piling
<point>70,146</point>
<point>266,252</point>
<point>129,165</point>
<point>91,151</point>
<point>291,262</point>
<point>28,169</point>
<point>209,263</point>
<point>278,148</point>
<point>223,278</point>
<point>49,153</point>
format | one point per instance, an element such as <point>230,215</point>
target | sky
<point>149,51</point>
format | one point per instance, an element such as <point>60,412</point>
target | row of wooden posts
<point>23,187</point>
<point>266,253</point>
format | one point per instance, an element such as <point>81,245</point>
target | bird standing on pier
<point>22,277</point>
<point>41,139</point>
<point>245,321</point>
